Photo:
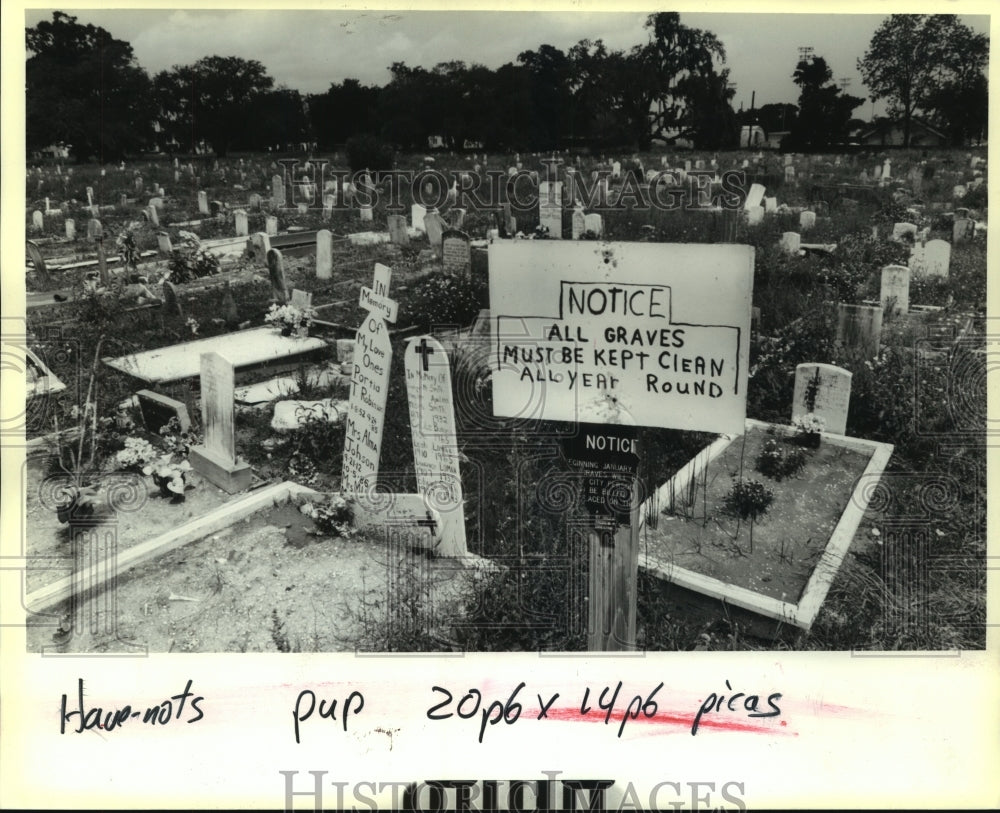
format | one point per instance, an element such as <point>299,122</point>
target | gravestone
<point>366,213</point>
<point>152,216</point>
<point>456,251</point>
<point>37,262</point>
<point>163,243</point>
<point>859,328</point>
<point>900,229</point>
<point>216,458</point>
<point>435,441</point>
<point>170,300</point>
<point>887,169</point>
<point>417,215</point>
<point>70,225</point>
<point>276,270</point>
<point>301,299</point>
<point>277,191</point>
<point>594,223</point>
<point>434,226</point>
<point>271,226</point>
<point>156,410</point>
<point>824,390</point>
<point>755,215</point>
<point>261,244</point>
<point>937,258</point>
<point>203,203</point>
<point>457,216</point>
<point>755,196</point>
<point>369,388</point>
<point>324,254</point>
<point>770,205</point>
<point>789,173</point>
<point>398,233</point>
<point>894,293</point>
<point>156,201</point>
<point>963,230</point>
<point>90,196</point>
<point>791,242</point>
<point>550,208</point>
<point>807,220</point>
<point>329,201</point>
<point>578,223</point>
<point>254,202</point>
<point>958,191</point>
<point>616,169</point>
<point>242,223</point>
<point>37,220</point>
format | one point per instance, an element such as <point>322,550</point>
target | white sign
<point>647,333</point>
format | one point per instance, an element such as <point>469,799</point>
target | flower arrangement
<point>289,319</point>
<point>127,249</point>
<point>778,462</point>
<point>169,475</point>
<point>748,498</point>
<point>137,454</point>
<point>334,517</point>
<point>176,439</point>
<point>809,429</point>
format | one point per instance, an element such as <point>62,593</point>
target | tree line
<point>86,89</point>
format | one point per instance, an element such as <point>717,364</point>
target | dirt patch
<point>265,584</point>
<point>703,536</point>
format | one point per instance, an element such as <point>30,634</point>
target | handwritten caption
<point>96,717</point>
<point>607,704</point>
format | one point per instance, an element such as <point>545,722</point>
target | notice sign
<point>650,334</point>
<point>606,460</point>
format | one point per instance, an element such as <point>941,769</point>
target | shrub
<point>446,300</point>
<point>778,461</point>
<point>749,499</point>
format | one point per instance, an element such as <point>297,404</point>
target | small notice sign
<point>606,459</point>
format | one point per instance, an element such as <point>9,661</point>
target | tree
<point>85,89</point>
<point>344,110</point>
<point>210,100</point>
<point>913,59</point>
<point>708,116</point>
<point>824,112</point>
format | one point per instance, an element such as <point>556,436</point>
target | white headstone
<point>789,172</point>
<point>807,220</point>
<point>770,205</point>
<point>324,254</point>
<point>594,223</point>
<point>417,215</point>
<point>203,203</point>
<point>616,169</point>
<point>216,458</point>
<point>435,440</point>
<point>755,215</point>
<point>791,242</point>
<point>550,207</point>
<point>937,258</point>
<point>398,232</point>
<point>894,293</point>
<point>755,196</point>
<point>37,220</point>
<point>242,223</point>
<point>70,228</point>
<point>276,271</point>
<point>271,226</point>
<point>578,223</point>
<point>163,243</point>
<point>434,226</point>
<point>277,191</point>
<point>900,229</point>
<point>825,391</point>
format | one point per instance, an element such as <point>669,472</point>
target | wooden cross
<point>424,352</point>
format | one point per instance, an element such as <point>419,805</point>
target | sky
<point>307,50</point>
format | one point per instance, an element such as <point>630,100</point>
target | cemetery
<point>279,405</point>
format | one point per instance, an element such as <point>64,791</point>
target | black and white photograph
<point>470,335</point>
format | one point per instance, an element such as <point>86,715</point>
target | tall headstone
<point>369,388</point>
<point>153,216</point>
<point>789,173</point>
<point>824,390</point>
<point>261,244</point>
<point>456,251</point>
<point>417,215</point>
<point>434,226</point>
<point>859,328</point>
<point>435,440</point>
<point>277,191</point>
<point>216,458</point>
<point>276,271</point>
<point>70,226</point>
<point>203,203</point>
<point>242,223</point>
<point>37,220</point>
<point>550,207</point>
<point>398,233</point>
<point>578,223</point>
<point>94,229</point>
<point>894,292</point>
<point>271,225</point>
<point>324,254</point>
<point>963,230</point>
<point>755,196</point>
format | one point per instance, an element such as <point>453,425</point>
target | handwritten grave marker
<point>369,387</point>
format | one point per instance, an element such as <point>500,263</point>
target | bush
<point>446,300</point>
<point>749,499</point>
<point>779,461</point>
<point>366,151</point>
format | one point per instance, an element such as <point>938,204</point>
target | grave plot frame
<point>765,615</point>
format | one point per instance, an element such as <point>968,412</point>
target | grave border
<point>803,613</point>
